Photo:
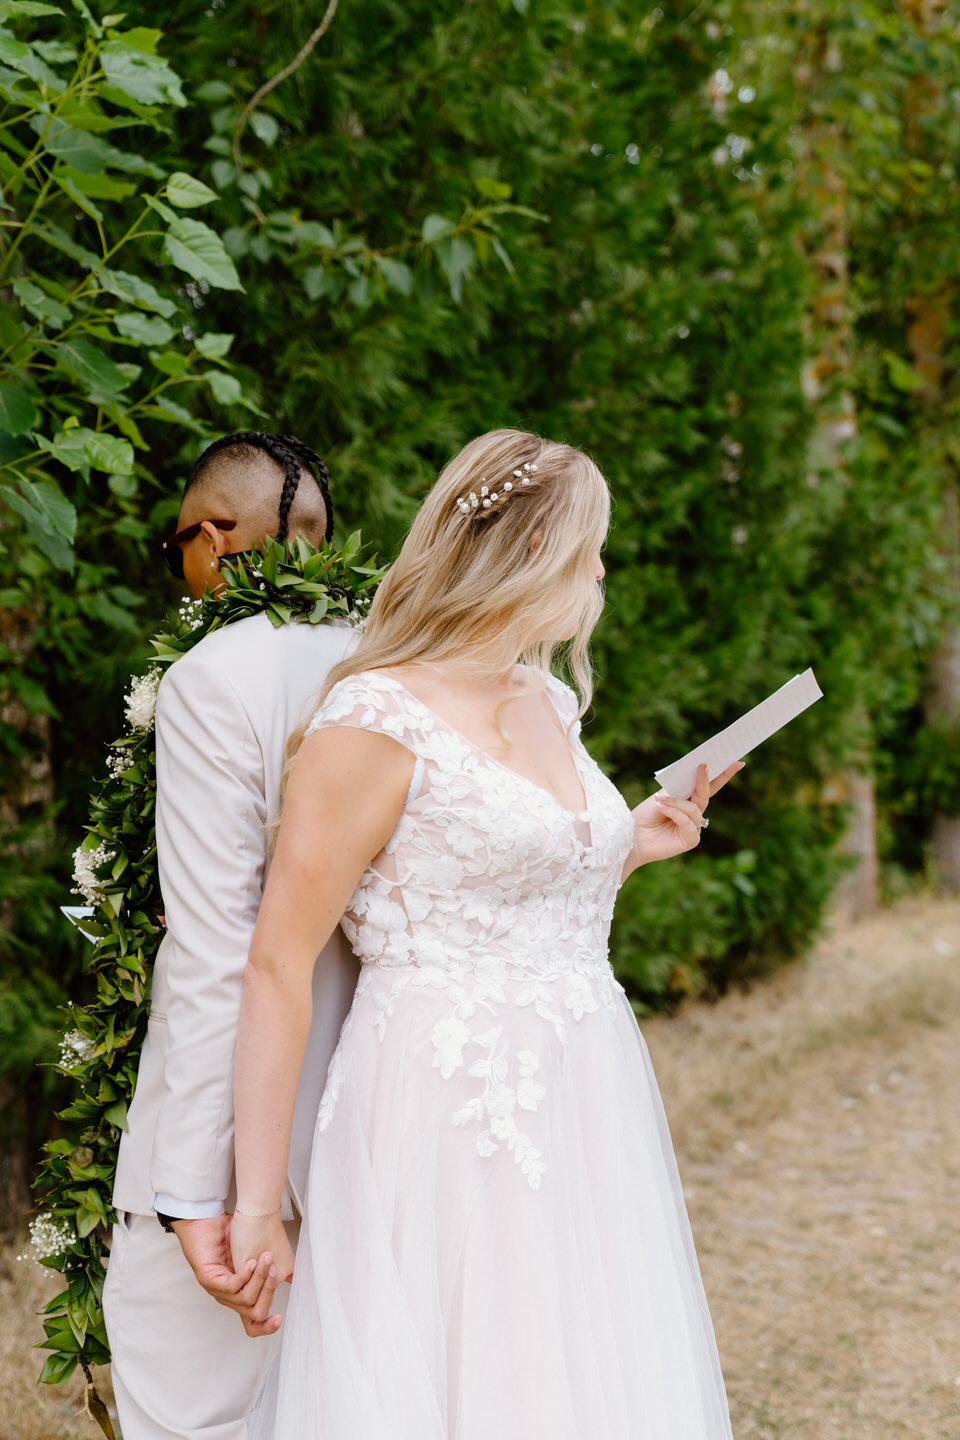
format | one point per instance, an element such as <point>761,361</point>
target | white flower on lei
<point>75,1048</point>
<point>85,863</point>
<point>48,1237</point>
<point>140,702</point>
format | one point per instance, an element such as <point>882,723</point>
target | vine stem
<point>38,205</point>
<point>281,75</point>
<point>94,1406</point>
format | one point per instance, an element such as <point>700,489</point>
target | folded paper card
<point>76,914</point>
<point>742,736</point>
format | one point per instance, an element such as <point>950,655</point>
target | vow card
<point>742,736</point>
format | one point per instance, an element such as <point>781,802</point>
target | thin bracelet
<point>257,1215</point>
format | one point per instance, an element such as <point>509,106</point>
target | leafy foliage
<point>115,367</point>
<point>118,868</point>
<point>603,222</point>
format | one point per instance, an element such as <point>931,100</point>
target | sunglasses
<point>170,550</point>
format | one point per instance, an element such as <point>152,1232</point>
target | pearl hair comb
<point>487,497</point>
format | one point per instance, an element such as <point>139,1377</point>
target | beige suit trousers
<point>183,1367</point>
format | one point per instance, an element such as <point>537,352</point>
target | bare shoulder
<point>345,770</point>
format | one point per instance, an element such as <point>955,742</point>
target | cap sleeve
<point>565,703</point>
<point>370,701</point>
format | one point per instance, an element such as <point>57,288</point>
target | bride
<point>495,1244</point>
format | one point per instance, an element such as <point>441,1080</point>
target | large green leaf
<point>100,186</point>
<point>140,37</point>
<point>134,289</point>
<point>11,8</point>
<point>226,388</point>
<point>169,362</point>
<point>143,76</point>
<point>53,235</point>
<point>265,126</point>
<point>186,192</point>
<point>145,329</point>
<point>79,148</point>
<point>171,412</point>
<point>396,274</point>
<point>57,52</point>
<point>57,1369</point>
<point>40,304</point>
<point>456,256</point>
<point>214,345</point>
<point>87,363</point>
<point>195,248</point>
<point>11,88</point>
<point>18,414</point>
<point>436,227</point>
<point>107,452</point>
<point>64,179</point>
<point>21,57</point>
<point>50,519</point>
<point>67,447</point>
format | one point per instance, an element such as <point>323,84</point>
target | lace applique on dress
<point>490,898</point>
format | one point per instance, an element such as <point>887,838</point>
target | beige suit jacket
<point>224,712</point>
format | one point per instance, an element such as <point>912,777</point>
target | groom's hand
<point>249,1291</point>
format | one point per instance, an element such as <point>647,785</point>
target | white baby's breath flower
<point>75,1048</point>
<point>48,1236</point>
<point>141,700</point>
<point>85,863</point>
<point>118,762</point>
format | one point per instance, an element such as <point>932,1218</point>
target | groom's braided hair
<point>291,454</point>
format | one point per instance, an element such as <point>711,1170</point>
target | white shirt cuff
<point>187,1209</point>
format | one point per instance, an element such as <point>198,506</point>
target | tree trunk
<point>942,702</point>
<point>927,339</point>
<point>858,892</point>
<point>826,384</point>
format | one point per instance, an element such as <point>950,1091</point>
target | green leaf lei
<point>116,870</point>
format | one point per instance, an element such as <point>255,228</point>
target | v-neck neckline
<point>575,815</point>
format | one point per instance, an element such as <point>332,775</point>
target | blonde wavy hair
<point>496,585</point>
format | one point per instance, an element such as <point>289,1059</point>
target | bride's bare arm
<point>345,795</point>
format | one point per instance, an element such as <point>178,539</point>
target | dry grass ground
<point>817,1123</point>
<point>29,1411</point>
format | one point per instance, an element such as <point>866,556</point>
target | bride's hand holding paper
<point>664,826</point>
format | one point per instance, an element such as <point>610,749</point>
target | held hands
<point>247,1289</point>
<point>253,1241</point>
<point>664,826</point>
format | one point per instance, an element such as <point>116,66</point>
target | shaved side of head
<point>271,485</point>
<point>245,485</point>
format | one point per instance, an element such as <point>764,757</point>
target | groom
<point>182,1365</point>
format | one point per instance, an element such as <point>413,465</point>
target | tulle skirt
<point>455,1282</point>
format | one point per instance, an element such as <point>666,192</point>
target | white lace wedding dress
<point>496,1246</point>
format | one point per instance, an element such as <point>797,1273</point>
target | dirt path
<point>817,1124</point>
